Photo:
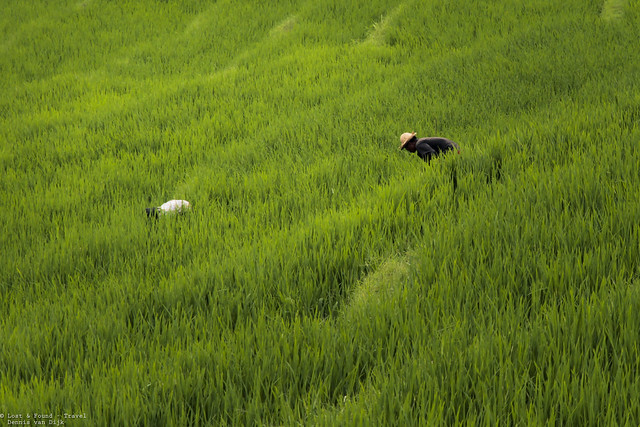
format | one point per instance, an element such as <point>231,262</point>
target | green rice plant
<point>322,276</point>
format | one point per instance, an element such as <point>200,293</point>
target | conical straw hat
<point>404,138</point>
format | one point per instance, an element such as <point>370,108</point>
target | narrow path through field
<point>378,286</point>
<point>376,35</point>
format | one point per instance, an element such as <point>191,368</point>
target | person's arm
<point>424,151</point>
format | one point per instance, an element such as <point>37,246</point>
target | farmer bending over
<point>426,147</point>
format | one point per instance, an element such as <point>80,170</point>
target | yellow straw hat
<point>405,138</point>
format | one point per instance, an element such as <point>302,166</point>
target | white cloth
<point>175,206</point>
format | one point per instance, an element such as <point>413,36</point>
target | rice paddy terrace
<point>321,277</point>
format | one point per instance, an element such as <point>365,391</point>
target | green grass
<point>323,277</point>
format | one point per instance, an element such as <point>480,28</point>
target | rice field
<point>322,276</point>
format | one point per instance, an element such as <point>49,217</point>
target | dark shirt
<point>432,147</point>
